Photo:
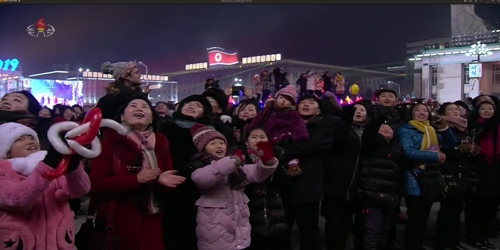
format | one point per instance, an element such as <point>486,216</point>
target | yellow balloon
<point>354,89</point>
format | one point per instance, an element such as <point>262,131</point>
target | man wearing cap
<point>386,101</point>
<point>126,85</point>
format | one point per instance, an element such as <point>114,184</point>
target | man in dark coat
<point>126,85</point>
<point>303,202</point>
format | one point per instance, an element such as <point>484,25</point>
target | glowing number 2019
<point>9,63</point>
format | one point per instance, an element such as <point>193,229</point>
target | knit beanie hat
<point>289,91</point>
<point>11,131</point>
<point>119,69</point>
<point>33,104</point>
<point>202,135</point>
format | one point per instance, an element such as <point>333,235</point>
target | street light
<point>399,86</point>
<point>145,66</point>
<point>477,50</point>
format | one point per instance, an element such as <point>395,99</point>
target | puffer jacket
<point>381,178</point>
<point>222,220</point>
<point>411,140</point>
<point>267,215</point>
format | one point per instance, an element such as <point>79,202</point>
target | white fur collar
<point>26,165</point>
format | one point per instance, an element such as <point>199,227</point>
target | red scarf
<point>486,143</point>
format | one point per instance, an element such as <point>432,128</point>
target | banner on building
<point>222,57</point>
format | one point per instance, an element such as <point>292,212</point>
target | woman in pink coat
<point>34,211</point>
<point>223,215</point>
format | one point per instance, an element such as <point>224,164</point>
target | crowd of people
<point>206,175</point>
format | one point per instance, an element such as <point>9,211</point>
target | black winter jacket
<point>342,162</point>
<point>308,187</point>
<point>381,177</point>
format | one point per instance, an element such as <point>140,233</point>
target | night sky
<point>168,37</point>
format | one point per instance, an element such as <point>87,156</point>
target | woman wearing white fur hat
<point>34,211</point>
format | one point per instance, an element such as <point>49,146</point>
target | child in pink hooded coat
<point>34,211</point>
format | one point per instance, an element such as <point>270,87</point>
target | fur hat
<point>289,91</point>
<point>10,133</point>
<point>202,135</point>
<point>219,96</point>
<point>119,69</point>
<point>207,107</point>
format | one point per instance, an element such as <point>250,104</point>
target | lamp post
<point>476,50</point>
<point>145,66</point>
<point>399,86</point>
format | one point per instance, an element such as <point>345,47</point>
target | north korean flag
<point>222,57</point>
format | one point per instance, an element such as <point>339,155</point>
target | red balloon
<point>94,117</point>
<point>61,169</point>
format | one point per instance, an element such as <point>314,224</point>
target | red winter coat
<point>135,228</point>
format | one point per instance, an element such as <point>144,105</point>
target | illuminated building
<point>445,74</point>
<point>192,79</point>
<point>94,84</point>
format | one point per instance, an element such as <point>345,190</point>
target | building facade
<point>443,74</point>
<point>192,81</point>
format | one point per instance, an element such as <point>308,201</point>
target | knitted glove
<point>238,157</point>
<point>266,152</point>
<point>440,123</point>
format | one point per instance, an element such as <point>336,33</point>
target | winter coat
<point>342,163</point>
<point>114,178</point>
<point>117,96</point>
<point>381,174</point>
<point>34,212</point>
<point>266,81</point>
<point>179,230</point>
<point>257,86</point>
<point>411,140</point>
<point>281,126</point>
<point>308,187</point>
<point>390,115</point>
<point>311,80</point>
<point>318,84</point>
<point>488,170</point>
<point>222,219</point>
<point>267,214</point>
<point>302,83</point>
<point>327,86</point>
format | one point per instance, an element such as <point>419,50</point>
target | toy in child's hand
<point>77,138</point>
<point>265,151</point>
<point>238,157</point>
